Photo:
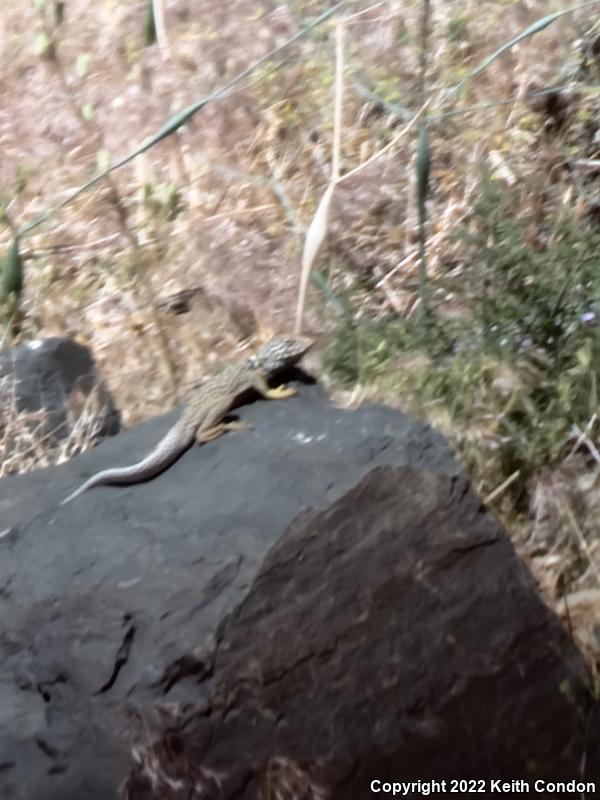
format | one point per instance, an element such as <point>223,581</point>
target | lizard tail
<point>170,447</point>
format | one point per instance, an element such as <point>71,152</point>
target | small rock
<point>52,375</point>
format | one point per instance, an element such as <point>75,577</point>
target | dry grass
<point>27,444</point>
<point>22,447</point>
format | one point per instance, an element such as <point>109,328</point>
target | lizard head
<point>280,353</point>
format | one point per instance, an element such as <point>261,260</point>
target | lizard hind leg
<point>212,433</point>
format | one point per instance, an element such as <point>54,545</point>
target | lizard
<point>203,418</point>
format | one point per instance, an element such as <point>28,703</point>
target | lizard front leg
<point>279,393</point>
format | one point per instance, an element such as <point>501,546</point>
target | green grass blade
<point>149,24</point>
<point>423,166</point>
<point>531,30</point>
<point>12,273</point>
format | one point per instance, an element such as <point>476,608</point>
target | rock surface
<point>46,374</point>
<point>387,632</point>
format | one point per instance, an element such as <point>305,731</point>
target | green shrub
<point>521,366</point>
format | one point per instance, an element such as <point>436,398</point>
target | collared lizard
<point>203,418</point>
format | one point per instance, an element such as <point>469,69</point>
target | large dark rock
<point>389,633</point>
<point>50,374</point>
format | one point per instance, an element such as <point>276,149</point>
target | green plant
<point>457,27</point>
<point>522,367</point>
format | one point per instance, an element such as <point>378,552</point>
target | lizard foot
<point>210,434</point>
<point>280,392</point>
